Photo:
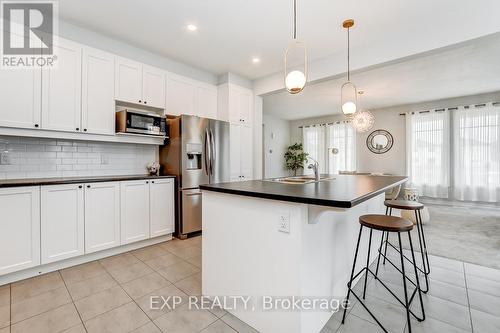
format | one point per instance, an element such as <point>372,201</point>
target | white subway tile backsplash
<point>40,158</point>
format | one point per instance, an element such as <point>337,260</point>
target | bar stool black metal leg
<point>407,306</point>
<point>387,239</point>
<point>380,252</point>
<point>423,239</point>
<point>352,274</point>
<point>420,237</point>
<point>367,262</point>
<point>417,279</point>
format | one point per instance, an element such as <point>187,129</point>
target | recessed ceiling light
<point>192,27</point>
<point>255,60</point>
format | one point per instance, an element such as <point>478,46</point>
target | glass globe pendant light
<point>362,120</point>
<point>348,91</point>
<point>295,60</point>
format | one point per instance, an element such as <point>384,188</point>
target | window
<point>474,173</point>
<point>477,153</point>
<point>428,152</point>
<point>319,142</point>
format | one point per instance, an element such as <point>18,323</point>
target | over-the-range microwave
<point>139,122</point>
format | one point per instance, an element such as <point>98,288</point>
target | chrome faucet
<point>315,167</point>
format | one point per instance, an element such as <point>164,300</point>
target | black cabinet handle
<point>153,182</point>
<point>140,101</point>
<point>85,130</point>
<point>80,186</point>
<point>147,182</point>
<point>78,128</point>
<point>145,102</point>
<point>36,125</point>
<point>88,186</point>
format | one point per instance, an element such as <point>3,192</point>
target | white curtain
<point>342,137</point>
<point>313,140</point>
<point>477,153</point>
<point>428,152</point>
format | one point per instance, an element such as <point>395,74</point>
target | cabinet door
<point>246,152</point>
<point>161,207</point>
<point>234,104</point>
<point>134,220</point>
<point>62,222</point>
<point>98,92</point>
<point>20,223</point>
<point>62,89</point>
<point>234,151</point>
<point>206,101</point>
<point>153,87</point>
<point>245,106</point>
<point>102,216</point>
<point>180,96</point>
<point>20,97</point>
<point>128,81</point>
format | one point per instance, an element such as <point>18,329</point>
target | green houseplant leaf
<point>295,157</point>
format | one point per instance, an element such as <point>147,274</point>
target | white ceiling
<point>231,32</point>
<point>467,69</point>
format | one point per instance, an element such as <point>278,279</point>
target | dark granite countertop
<point>72,180</point>
<point>343,191</point>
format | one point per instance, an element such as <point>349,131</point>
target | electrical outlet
<point>284,223</point>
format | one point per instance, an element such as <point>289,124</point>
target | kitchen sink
<point>298,179</point>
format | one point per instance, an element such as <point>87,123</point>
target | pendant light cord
<point>294,19</point>
<point>348,56</point>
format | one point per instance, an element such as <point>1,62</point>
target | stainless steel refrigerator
<point>198,153</point>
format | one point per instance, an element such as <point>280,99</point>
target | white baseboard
<point>47,268</point>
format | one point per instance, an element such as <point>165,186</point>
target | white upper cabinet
<point>102,216</point>
<point>161,207</point>
<point>128,82</point>
<point>20,98</point>
<point>153,87</point>
<point>134,211</point>
<point>20,235</point>
<point>61,89</point>
<point>181,93</point>
<point>139,84</point>
<point>98,96</point>
<point>62,222</point>
<point>206,101</point>
<point>235,104</point>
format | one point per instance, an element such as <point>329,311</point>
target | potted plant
<point>295,158</point>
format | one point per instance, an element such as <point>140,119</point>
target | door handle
<point>192,194</point>
<point>212,152</point>
<point>207,151</point>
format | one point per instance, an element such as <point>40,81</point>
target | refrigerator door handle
<point>207,151</point>
<point>212,152</point>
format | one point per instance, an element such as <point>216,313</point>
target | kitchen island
<point>272,241</point>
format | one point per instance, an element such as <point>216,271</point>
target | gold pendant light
<point>295,60</point>
<point>348,91</point>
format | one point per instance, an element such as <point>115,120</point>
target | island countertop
<point>344,191</point>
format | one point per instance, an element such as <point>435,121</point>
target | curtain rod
<point>453,108</point>
<point>325,124</point>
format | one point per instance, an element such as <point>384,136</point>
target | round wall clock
<point>379,141</point>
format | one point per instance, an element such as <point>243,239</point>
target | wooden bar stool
<point>416,207</point>
<point>386,224</point>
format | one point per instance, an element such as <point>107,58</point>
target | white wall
<point>45,158</point>
<point>389,119</point>
<point>276,140</point>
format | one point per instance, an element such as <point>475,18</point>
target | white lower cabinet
<point>135,210</point>
<point>20,228</point>
<point>161,207</point>
<point>102,216</point>
<point>62,222</point>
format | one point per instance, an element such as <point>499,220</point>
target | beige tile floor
<point>113,295</point>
